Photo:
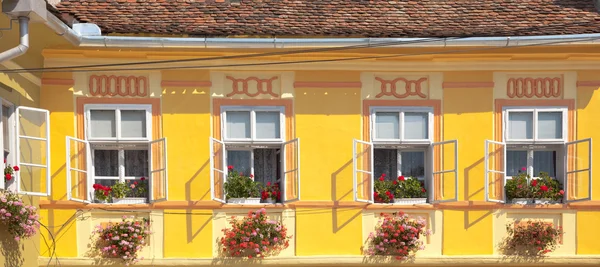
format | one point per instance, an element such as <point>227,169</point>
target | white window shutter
<point>291,170</point>
<point>362,162</point>
<point>78,157</point>
<point>33,159</point>
<point>578,163</point>
<point>159,180</point>
<point>445,174</point>
<point>495,171</point>
<point>217,170</point>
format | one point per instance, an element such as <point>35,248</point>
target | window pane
<point>266,165</point>
<point>415,125</point>
<point>106,163</point>
<point>267,125</point>
<point>133,123</point>
<point>386,125</point>
<point>102,123</point>
<point>238,124</point>
<point>544,161</point>
<point>515,162</point>
<point>550,125</point>
<point>240,160</point>
<point>413,164</point>
<point>520,125</point>
<point>386,162</point>
<point>136,163</point>
<point>5,127</point>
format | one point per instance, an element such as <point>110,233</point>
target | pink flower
<point>523,169</point>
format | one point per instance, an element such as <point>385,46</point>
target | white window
<point>254,144</point>
<point>118,148</point>
<point>26,144</point>
<point>535,141</point>
<point>402,145</point>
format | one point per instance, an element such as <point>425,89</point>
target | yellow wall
<point>327,117</point>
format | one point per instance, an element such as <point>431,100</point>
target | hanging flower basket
<point>531,238</point>
<point>254,236</point>
<point>397,235</point>
<point>123,240</point>
<point>19,219</point>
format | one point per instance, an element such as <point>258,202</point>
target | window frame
<point>558,165</point>
<point>253,110</point>
<point>121,177</point>
<point>401,111</point>
<point>413,148</point>
<point>535,110</point>
<point>12,142</point>
<point>117,108</point>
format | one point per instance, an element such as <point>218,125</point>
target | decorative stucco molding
<point>401,86</point>
<point>263,86</point>
<point>252,85</point>
<point>409,85</point>
<point>113,85</point>
<point>528,87</point>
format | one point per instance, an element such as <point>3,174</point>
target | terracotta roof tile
<point>339,18</point>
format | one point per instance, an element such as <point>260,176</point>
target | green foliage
<point>383,190</point>
<point>240,186</point>
<point>547,187</point>
<point>518,187</point>
<point>408,188</point>
<point>120,190</point>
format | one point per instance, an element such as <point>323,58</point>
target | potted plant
<point>254,236</point>
<point>240,189</point>
<point>9,174</point>
<point>122,240</point>
<point>383,190</point>
<point>101,193</point>
<point>20,220</point>
<point>547,190</point>
<point>408,191</point>
<point>518,190</point>
<point>121,194</point>
<point>271,193</point>
<point>531,238</point>
<point>397,235</point>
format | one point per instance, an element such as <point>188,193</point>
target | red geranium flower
<point>382,177</point>
<point>562,192</point>
<point>534,182</point>
<point>394,182</point>
<point>401,178</point>
<point>423,190</point>
<point>230,167</point>
<point>8,176</point>
<point>16,168</point>
<point>544,188</point>
<point>143,178</point>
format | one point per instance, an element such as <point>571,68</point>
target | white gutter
<point>23,42</point>
<point>96,40</point>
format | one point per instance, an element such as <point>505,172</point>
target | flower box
<point>410,201</point>
<point>521,201</point>
<point>270,201</point>
<point>546,201</point>
<point>244,200</point>
<point>129,200</point>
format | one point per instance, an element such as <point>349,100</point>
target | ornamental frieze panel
<point>118,85</point>
<point>252,85</point>
<point>401,86</point>
<point>534,87</point>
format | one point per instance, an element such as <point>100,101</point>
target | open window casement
<point>217,170</point>
<point>291,170</point>
<point>444,158</point>
<point>578,162</point>
<point>495,171</point>
<point>33,151</point>
<point>158,180</point>
<point>78,156</point>
<point>363,166</point>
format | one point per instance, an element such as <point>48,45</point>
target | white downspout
<point>24,42</point>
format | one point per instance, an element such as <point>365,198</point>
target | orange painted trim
<point>448,85</point>
<point>102,85</point>
<point>588,83</point>
<point>260,90</point>
<point>327,84</point>
<point>437,124</point>
<point>186,83</point>
<point>539,87</point>
<point>51,81</point>
<point>407,87</point>
<point>156,112</point>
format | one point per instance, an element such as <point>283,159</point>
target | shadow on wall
<point>338,179</point>
<point>189,187</point>
<point>10,250</point>
<point>474,172</point>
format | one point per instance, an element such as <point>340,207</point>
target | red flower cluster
<point>254,236</point>
<point>397,235</point>
<point>271,191</point>
<point>105,190</point>
<point>123,239</point>
<point>532,238</point>
<point>9,171</point>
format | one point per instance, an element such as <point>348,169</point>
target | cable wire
<point>327,60</point>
